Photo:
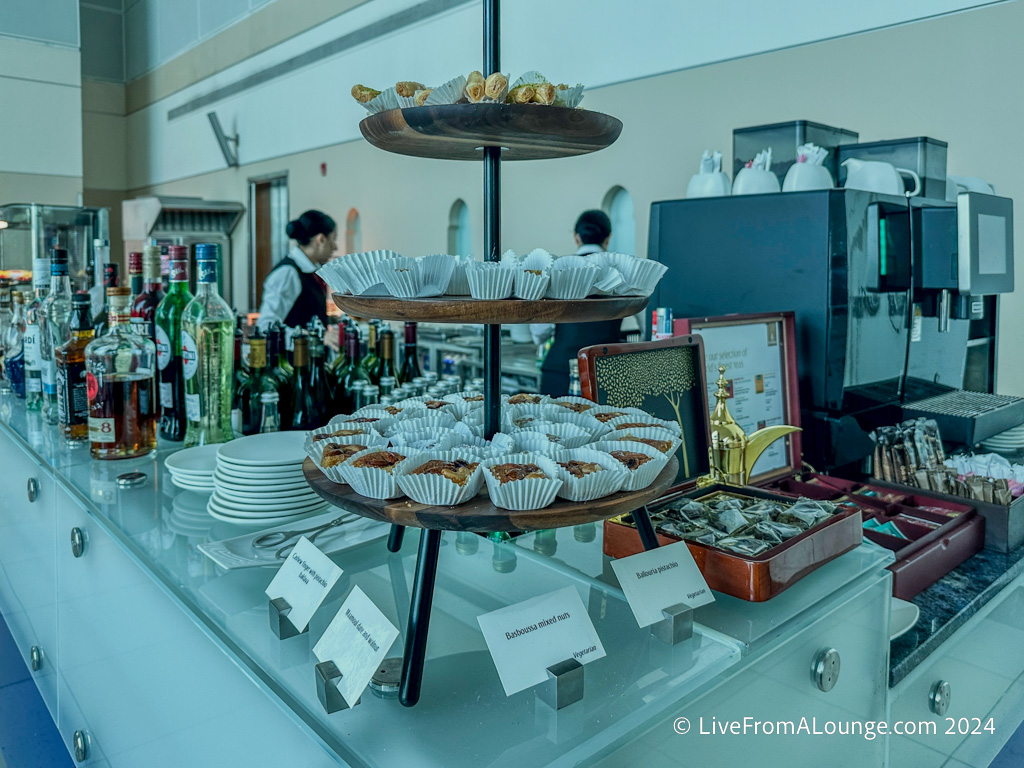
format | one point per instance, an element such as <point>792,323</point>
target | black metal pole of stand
<point>492,232</point>
<point>395,537</point>
<point>644,526</point>
<point>430,540</point>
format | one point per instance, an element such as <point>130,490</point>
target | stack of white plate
<point>259,481</point>
<point>1010,441</point>
<point>192,468</point>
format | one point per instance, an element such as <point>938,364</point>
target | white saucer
<point>195,487</point>
<point>267,486</point>
<point>230,473</point>
<point>202,458</point>
<point>265,522</point>
<point>902,617</point>
<point>271,497</point>
<point>267,449</point>
<point>250,509</point>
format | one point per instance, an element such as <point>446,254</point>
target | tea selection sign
<point>660,578</point>
<point>526,638</point>
<point>304,580</point>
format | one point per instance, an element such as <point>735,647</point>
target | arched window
<point>459,235</point>
<point>353,232</point>
<point>618,204</point>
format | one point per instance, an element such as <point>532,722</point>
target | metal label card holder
<point>279,623</point>
<point>564,685</point>
<point>677,625</point>
<point>327,677</point>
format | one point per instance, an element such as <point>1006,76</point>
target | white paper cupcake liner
<point>532,77</point>
<point>651,433</point>
<point>463,405</point>
<point>644,475</point>
<point>514,414</point>
<point>595,485</point>
<point>401,276</point>
<point>571,281</point>
<point>361,271</point>
<point>573,399</point>
<point>491,281</point>
<point>335,277</point>
<point>646,420</point>
<point>522,495</point>
<point>427,421</point>
<point>369,481</point>
<point>510,399</point>
<point>567,435</point>
<point>609,281</point>
<point>385,100</point>
<point>452,92</point>
<point>531,287</point>
<point>538,258</point>
<point>426,440</point>
<point>640,276</point>
<point>537,442</point>
<point>382,421</point>
<point>436,489</point>
<point>584,421</point>
<point>569,97</point>
<point>315,448</point>
<point>435,274</point>
<point>458,285</point>
<point>509,259</point>
<point>417,407</point>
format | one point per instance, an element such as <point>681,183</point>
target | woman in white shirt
<point>292,293</point>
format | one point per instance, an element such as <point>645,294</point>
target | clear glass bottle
<point>56,312</point>
<point>14,347</point>
<point>119,379</point>
<point>145,303</point>
<point>270,420</point>
<point>72,384</point>
<point>6,315</point>
<point>168,347</point>
<point>33,334</point>
<point>207,351</point>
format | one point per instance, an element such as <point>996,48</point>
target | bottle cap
<point>207,252</point>
<point>100,242</point>
<point>111,274</point>
<point>135,263</point>
<point>59,262</point>
<point>151,262</point>
<point>116,290</point>
<point>81,298</point>
<point>410,333</point>
<point>177,252</point>
<point>269,396</point>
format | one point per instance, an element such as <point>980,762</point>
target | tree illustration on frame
<point>628,379</point>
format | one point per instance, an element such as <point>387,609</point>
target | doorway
<point>268,242</point>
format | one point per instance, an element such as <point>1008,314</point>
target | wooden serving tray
<point>480,515</point>
<point>759,578</point>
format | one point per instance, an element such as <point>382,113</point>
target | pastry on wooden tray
<point>631,460</point>
<point>578,468</point>
<point>662,445</point>
<point>457,470</point>
<point>506,473</point>
<point>364,94</point>
<point>608,415</point>
<point>523,397</point>
<point>338,453</point>
<point>407,88</point>
<point>385,460</point>
<point>339,433</point>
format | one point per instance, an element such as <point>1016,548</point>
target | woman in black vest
<point>593,231</point>
<point>292,293</point>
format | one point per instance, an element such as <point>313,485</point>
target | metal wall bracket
<point>938,697</point>
<point>677,625</point>
<point>564,685</point>
<point>279,623</point>
<point>327,677</point>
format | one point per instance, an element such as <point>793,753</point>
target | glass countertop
<point>463,717</point>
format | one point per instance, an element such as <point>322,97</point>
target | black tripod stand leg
<point>395,537</point>
<point>419,617</point>
<point>645,527</point>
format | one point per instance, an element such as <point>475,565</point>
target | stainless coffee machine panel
<point>985,244</point>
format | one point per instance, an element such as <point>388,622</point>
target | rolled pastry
<point>544,93</point>
<point>421,96</point>
<point>522,95</point>
<point>495,86</point>
<point>475,87</point>
<point>407,88</point>
<point>362,94</point>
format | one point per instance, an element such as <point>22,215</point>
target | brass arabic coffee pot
<point>733,453</point>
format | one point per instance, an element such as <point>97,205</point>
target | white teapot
<point>877,176</point>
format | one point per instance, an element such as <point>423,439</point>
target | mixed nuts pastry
<point>385,460</point>
<point>435,404</point>
<point>363,420</point>
<point>631,460</point>
<point>339,433</point>
<point>662,445</point>
<point>576,407</point>
<point>605,417</point>
<point>505,473</point>
<point>636,425</point>
<point>338,453</point>
<point>458,470</point>
<point>578,468</point>
<point>522,398</point>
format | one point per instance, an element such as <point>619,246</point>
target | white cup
<point>754,181</point>
<point>802,177</point>
<point>709,185</point>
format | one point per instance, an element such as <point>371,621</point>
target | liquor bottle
<point>371,363</point>
<point>6,315</point>
<point>33,337</point>
<point>168,347</point>
<point>135,273</point>
<point>72,386</point>
<point>282,372</point>
<point>322,391</point>
<point>56,312</point>
<point>119,377</point>
<point>14,347</point>
<point>302,396</point>
<point>260,381</point>
<point>354,376</point>
<point>207,351</point>
<point>111,279</point>
<point>270,420</point>
<point>387,355</point>
<point>165,265</point>
<point>144,303</point>
<point>574,378</point>
<point>98,292</point>
<point>411,362</point>
<point>340,403</point>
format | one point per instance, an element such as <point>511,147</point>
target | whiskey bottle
<point>72,386</point>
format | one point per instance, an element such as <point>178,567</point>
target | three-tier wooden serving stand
<point>491,133</point>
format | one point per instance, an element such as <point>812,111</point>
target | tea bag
<point>763,510</point>
<point>807,513</point>
<point>727,502</point>
<point>729,520</point>
<point>783,531</point>
<point>743,545</point>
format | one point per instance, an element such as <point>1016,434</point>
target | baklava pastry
<point>495,87</point>
<point>522,95</point>
<point>544,93</point>
<point>338,453</point>
<point>441,478</point>
<point>475,87</point>
<point>363,94</point>
<point>407,88</point>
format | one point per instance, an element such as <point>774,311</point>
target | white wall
<point>597,42</point>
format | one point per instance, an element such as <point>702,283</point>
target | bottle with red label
<point>120,380</point>
<point>168,347</point>
<point>145,302</point>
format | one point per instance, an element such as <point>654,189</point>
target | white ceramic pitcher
<point>878,176</point>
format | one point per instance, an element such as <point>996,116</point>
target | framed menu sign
<point>759,355</point>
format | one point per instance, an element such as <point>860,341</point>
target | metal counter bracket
<point>676,626</point>
<point>564,685</point>
<point>327,677</point>
<point>279,623</point>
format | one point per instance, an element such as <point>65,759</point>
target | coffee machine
<point>895,301</point>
